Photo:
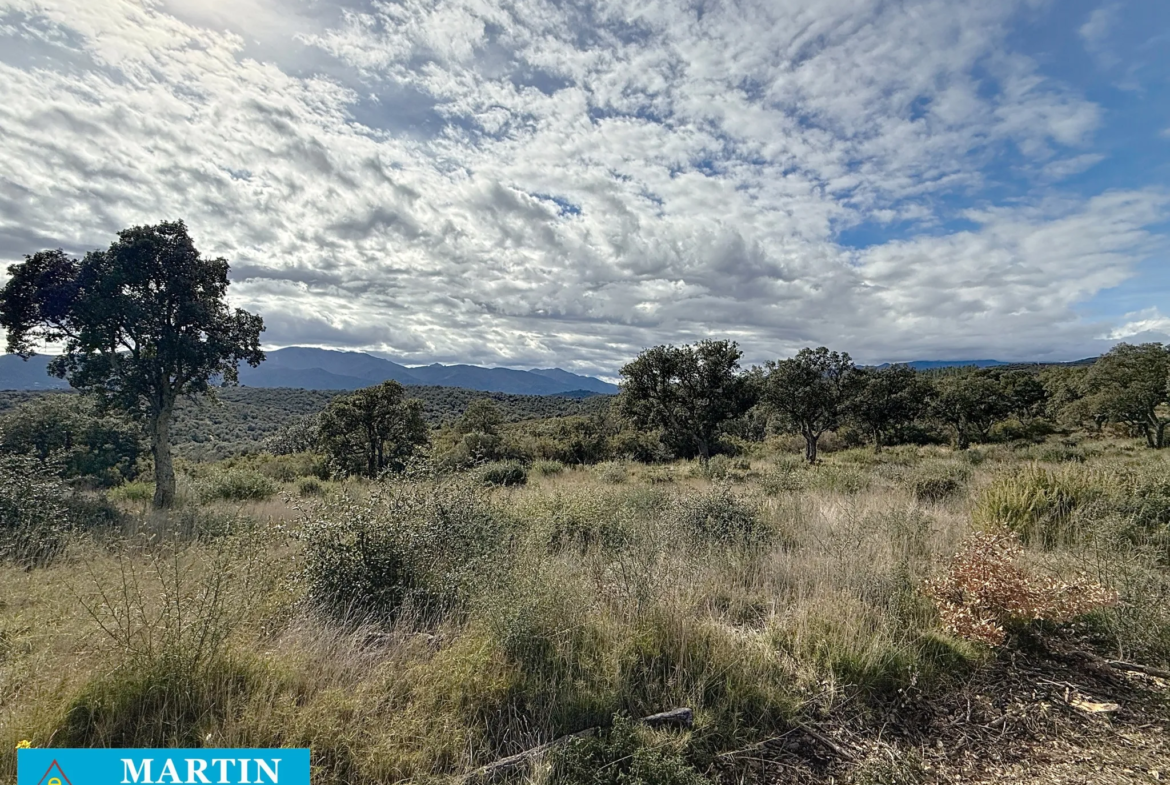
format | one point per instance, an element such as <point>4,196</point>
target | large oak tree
<point>688,392</point>
<point>140,324</point>
<point>1128,385</point>
<point>811,391</point>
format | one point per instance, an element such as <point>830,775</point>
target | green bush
<point>34,520</point>
<point>136,491</point>
<point>724,467</point>
<point>310,486</point>
<point>719,516</point>
<point>938,484</point>
<point>237,485</point>
<point>1039,503</point>
<point>425,544</point>
<point>503,473</point>
<point>547,468</point>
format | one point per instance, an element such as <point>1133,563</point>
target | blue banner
<point>162,767</point>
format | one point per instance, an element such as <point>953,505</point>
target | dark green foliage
<point>143,323</point>
<point>935,485</point>
<point>423,544</point>
<point>244,419</point>
<point>887,400</point>
<point>504,473</point>
<point>623,754</point>
<point>482,416</point>
<point>34,520</point>
<point>688,392</point>
<point>970,403</point>
<point>1128,385</point>
<point>372,430</point>
<point>811,392</point>
<point>101,448</point>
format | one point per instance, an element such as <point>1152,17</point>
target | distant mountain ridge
<point>301,367</point>
<point>327,369</point>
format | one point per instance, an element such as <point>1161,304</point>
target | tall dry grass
<point>757,593</point>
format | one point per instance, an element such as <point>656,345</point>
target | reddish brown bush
<point>986,589</point>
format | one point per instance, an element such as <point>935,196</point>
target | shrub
<point>168,622</point>
<point>137,491</point>
<point>419,543</point>
<point>310,486</point>
<point>624,754</point>
<point>719,516</point>
<point>787,475</point>
<point>1038,503</point>
<point>236,485</point>
<point>985,589</point>
<point>547,468</point>
<point>34,521</point>
<point>611,472</point>
<point>723,467</point>
<point>838,479</point>
<point>503,473</point>
<point>936,485</point>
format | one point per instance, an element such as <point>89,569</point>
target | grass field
<point>419,629</point>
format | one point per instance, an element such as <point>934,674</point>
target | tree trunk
<point>810,448</point>
<point>1160,435</point>
<point>164,468</point>
<point>962,440</point>
<point>704,451</point>
<point>877,440</point>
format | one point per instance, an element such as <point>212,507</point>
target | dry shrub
<point>986,589</point>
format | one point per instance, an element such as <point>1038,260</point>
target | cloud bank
<point>539,182</point>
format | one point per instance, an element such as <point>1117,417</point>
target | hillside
<point>244,416</point>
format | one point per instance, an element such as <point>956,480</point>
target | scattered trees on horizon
<point>141,324</point>
<point>145,323</point>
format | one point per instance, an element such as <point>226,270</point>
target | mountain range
<point>326,369</point>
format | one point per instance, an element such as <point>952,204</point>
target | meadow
<point>918,614</point>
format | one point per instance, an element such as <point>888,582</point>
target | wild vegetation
<point>805,572</point>
<point>515,582</point>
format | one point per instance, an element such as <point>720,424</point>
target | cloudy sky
<point>539,182</point>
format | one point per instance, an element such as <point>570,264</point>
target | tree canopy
<point>140,324</point>
<point>1128,385</point>
<point>811,392</point>
<point>885,399</point>
<point>687,392</point>
<point>373,430</point>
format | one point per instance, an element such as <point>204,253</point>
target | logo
<point>59,779</point>
<point>162,767</point>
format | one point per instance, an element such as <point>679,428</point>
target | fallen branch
<point>675,718</point>
<point>1135,668</point>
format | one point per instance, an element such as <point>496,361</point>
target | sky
<point>564,182</point>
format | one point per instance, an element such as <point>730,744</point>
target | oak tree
<point>811,391</point>
<point>140,324</point>
<point>373,430</point>
<point>688,392</point>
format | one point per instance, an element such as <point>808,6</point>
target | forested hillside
<point>242,417</point>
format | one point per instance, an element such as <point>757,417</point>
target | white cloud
<point>1148,324</point>
<point>534,183</point>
